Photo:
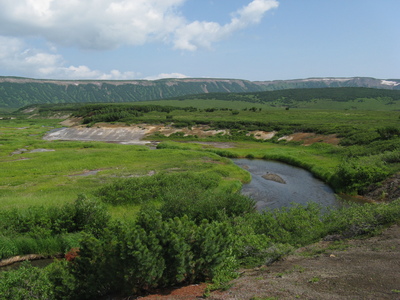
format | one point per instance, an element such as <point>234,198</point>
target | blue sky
<point>244,39</point>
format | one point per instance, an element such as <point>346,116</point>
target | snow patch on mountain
<point>388,82</point>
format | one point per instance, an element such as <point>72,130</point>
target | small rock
<point>274,177</point>
<point>41,150</point>
<point>19,151</point>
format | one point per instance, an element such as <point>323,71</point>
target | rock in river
<point>274,177</point>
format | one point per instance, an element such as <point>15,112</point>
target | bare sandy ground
<point>136,135</point>
<point>133,135</point>
<point>125,135</point>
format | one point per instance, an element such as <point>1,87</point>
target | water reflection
<point>300,186</point>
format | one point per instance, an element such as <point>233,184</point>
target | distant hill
<point>295,96</point>
<point>367,82</point>
<point>16,92</point>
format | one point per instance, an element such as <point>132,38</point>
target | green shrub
<point>388,132</point>
<point>296,225</point>
<point>131,258</point>
<point>210,205</point>
<point>355,219</point>
<point>26,283</point>
<point>354,175</point>
<point>89,215</point>
<point>359,138</point>
<point>252,248</point>
<point>391,157</point>
<point>62,281</point>
<point>158,187</point>
<point>47,245</point>
<point>223,153</point>
<point>83,214</point>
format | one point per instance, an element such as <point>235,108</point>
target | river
<point>299,186</point>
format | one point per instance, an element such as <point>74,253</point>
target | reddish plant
<point>72,254</point>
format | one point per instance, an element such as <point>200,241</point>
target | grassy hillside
<point>318,98</point>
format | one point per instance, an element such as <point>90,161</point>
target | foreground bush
<point>28,282</point>
<point>131,258</point>
<point>155,251</point>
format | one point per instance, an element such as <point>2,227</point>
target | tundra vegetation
<point>146,219</point>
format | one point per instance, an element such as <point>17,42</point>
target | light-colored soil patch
<point>307,138</point>
<point>136,134</point>
<point>71,122</point>
<point>18,258</point>
<point>220,145</point>
<point>200,131</point>
<point>19,151</point>
<point>310,138</point>
<point>127,135</point>
<point>123,134</point>
<point>19,159</point>
<point>23,150</point>
<point>86,173</point>
<point>41,150</point>
<point>262,135</point>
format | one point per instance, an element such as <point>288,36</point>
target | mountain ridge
<point>359,81</point>
<point>16,92</point>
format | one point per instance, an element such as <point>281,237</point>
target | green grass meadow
<point>54,177</point>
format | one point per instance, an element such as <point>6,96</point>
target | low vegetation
<point>148,219</point>
<point>133,257</point>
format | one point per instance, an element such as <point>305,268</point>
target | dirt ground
<point>353,269</point>
<point>388,190</point>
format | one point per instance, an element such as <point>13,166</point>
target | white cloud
<point>15,55</point>
<point>203,34</point>
<point>166,75</point>
<point>102,25</point>
<point>31,62</point>
<point>84,72</point>
<point>107,24</point>
<point>91,24</point>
